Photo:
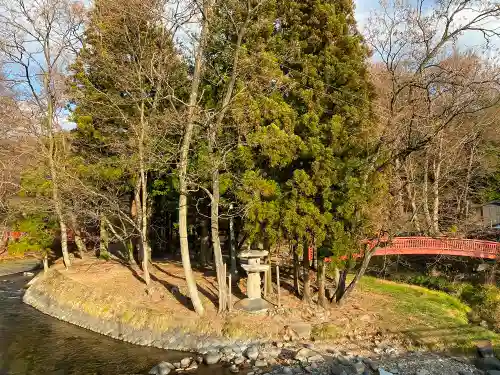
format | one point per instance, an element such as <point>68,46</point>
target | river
<point>34,343</point>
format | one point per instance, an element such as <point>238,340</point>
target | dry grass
<point>113,291</point>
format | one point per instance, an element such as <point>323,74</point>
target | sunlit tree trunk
<point>103,238</point>
<point>296,270</point>
<point>80,245</point>
<point>183,162</point>
<point>321,282</point>
<point>425,193</point>
<point>438,160</point>
<point>52,150</point>
<point>306,293</point>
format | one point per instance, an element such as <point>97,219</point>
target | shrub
<point>38,235</point>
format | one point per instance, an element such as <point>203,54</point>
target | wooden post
<point>229,296</point>
<point>224,303</point>
<point>278,284</point>
<point>265,284</point>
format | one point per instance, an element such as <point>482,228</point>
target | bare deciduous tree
<point>37,40</point>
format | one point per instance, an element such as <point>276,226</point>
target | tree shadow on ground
<point>166,272</point>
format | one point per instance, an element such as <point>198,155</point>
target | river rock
<point>422,371</point>
<point>252,352</point>
<point>488,363</point>
<point>274,352</point>
<point>303,354</point>
<point>185,362</point>
<point>287,370</point>
<point>162,368</point>
<point>261,363</point>
<point>227,350</point>
<point>316,358</point>
<point>212,358</point>
<point>234,369</point>
<point>177,365</point>
<point>381,371</point>
<point>236,349</point>
<point>358,367</point>
<point>239,360</point>
<point>337,370</point>
<point>199,359</point>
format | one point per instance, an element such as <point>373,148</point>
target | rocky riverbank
<point>284,345</point>
<point>288,359</point>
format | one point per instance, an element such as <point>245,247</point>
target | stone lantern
<point>253,267</point>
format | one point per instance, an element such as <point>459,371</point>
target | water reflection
<point>34,343</point>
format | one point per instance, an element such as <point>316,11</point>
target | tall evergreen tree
<point>313,180</point>
<point>125,79</point>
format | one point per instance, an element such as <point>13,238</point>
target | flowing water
<point>34,343</point>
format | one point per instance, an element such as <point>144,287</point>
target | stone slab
<point>256,305</point>
<point>253,254</point>
<point>255,267</point>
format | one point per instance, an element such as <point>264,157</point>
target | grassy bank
<point>484,300</point>
<point>431,318</point>
<point>114,296</point>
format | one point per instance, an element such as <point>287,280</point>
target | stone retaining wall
<point>43,296</point>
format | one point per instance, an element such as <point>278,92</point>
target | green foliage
<point>483,299</point>
<point>38,234</point>
<point>35,182</point>
<point>312,177</point>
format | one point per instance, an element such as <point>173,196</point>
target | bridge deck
<point>441,246</point>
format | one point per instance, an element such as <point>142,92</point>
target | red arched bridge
<point>440,246</point>
<point>433,246</point>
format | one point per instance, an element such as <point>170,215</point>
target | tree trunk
<point>321,282</point>
<point>399,190</point>
<point>219,261</point>
<point>435,186</point>
<point>103,239</point>
<point>51,154</point>
<point>78,236</point>
<point>213,132</point>
<point>341,297</point>
<point>425,193</point>
<point>45,263</point>
<point>144,229</point>
<point>232,244</point>
<point>205,243</point>
<point>183,162</point>
<point>414,209</point>
<point>58,204</point>
<point>339,292</point>
<point>306,294</point>
<point>412,196</point>
<point>465,197</point>
<point>336,273</point>
<point>491,277</point>
<point>138,219</point>
<point>268,280</point>
<point>143,200</point>
<point>296,270</point>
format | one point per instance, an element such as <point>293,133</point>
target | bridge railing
<point>469,247</point>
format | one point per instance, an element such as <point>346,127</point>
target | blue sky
<point>471,40</point>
